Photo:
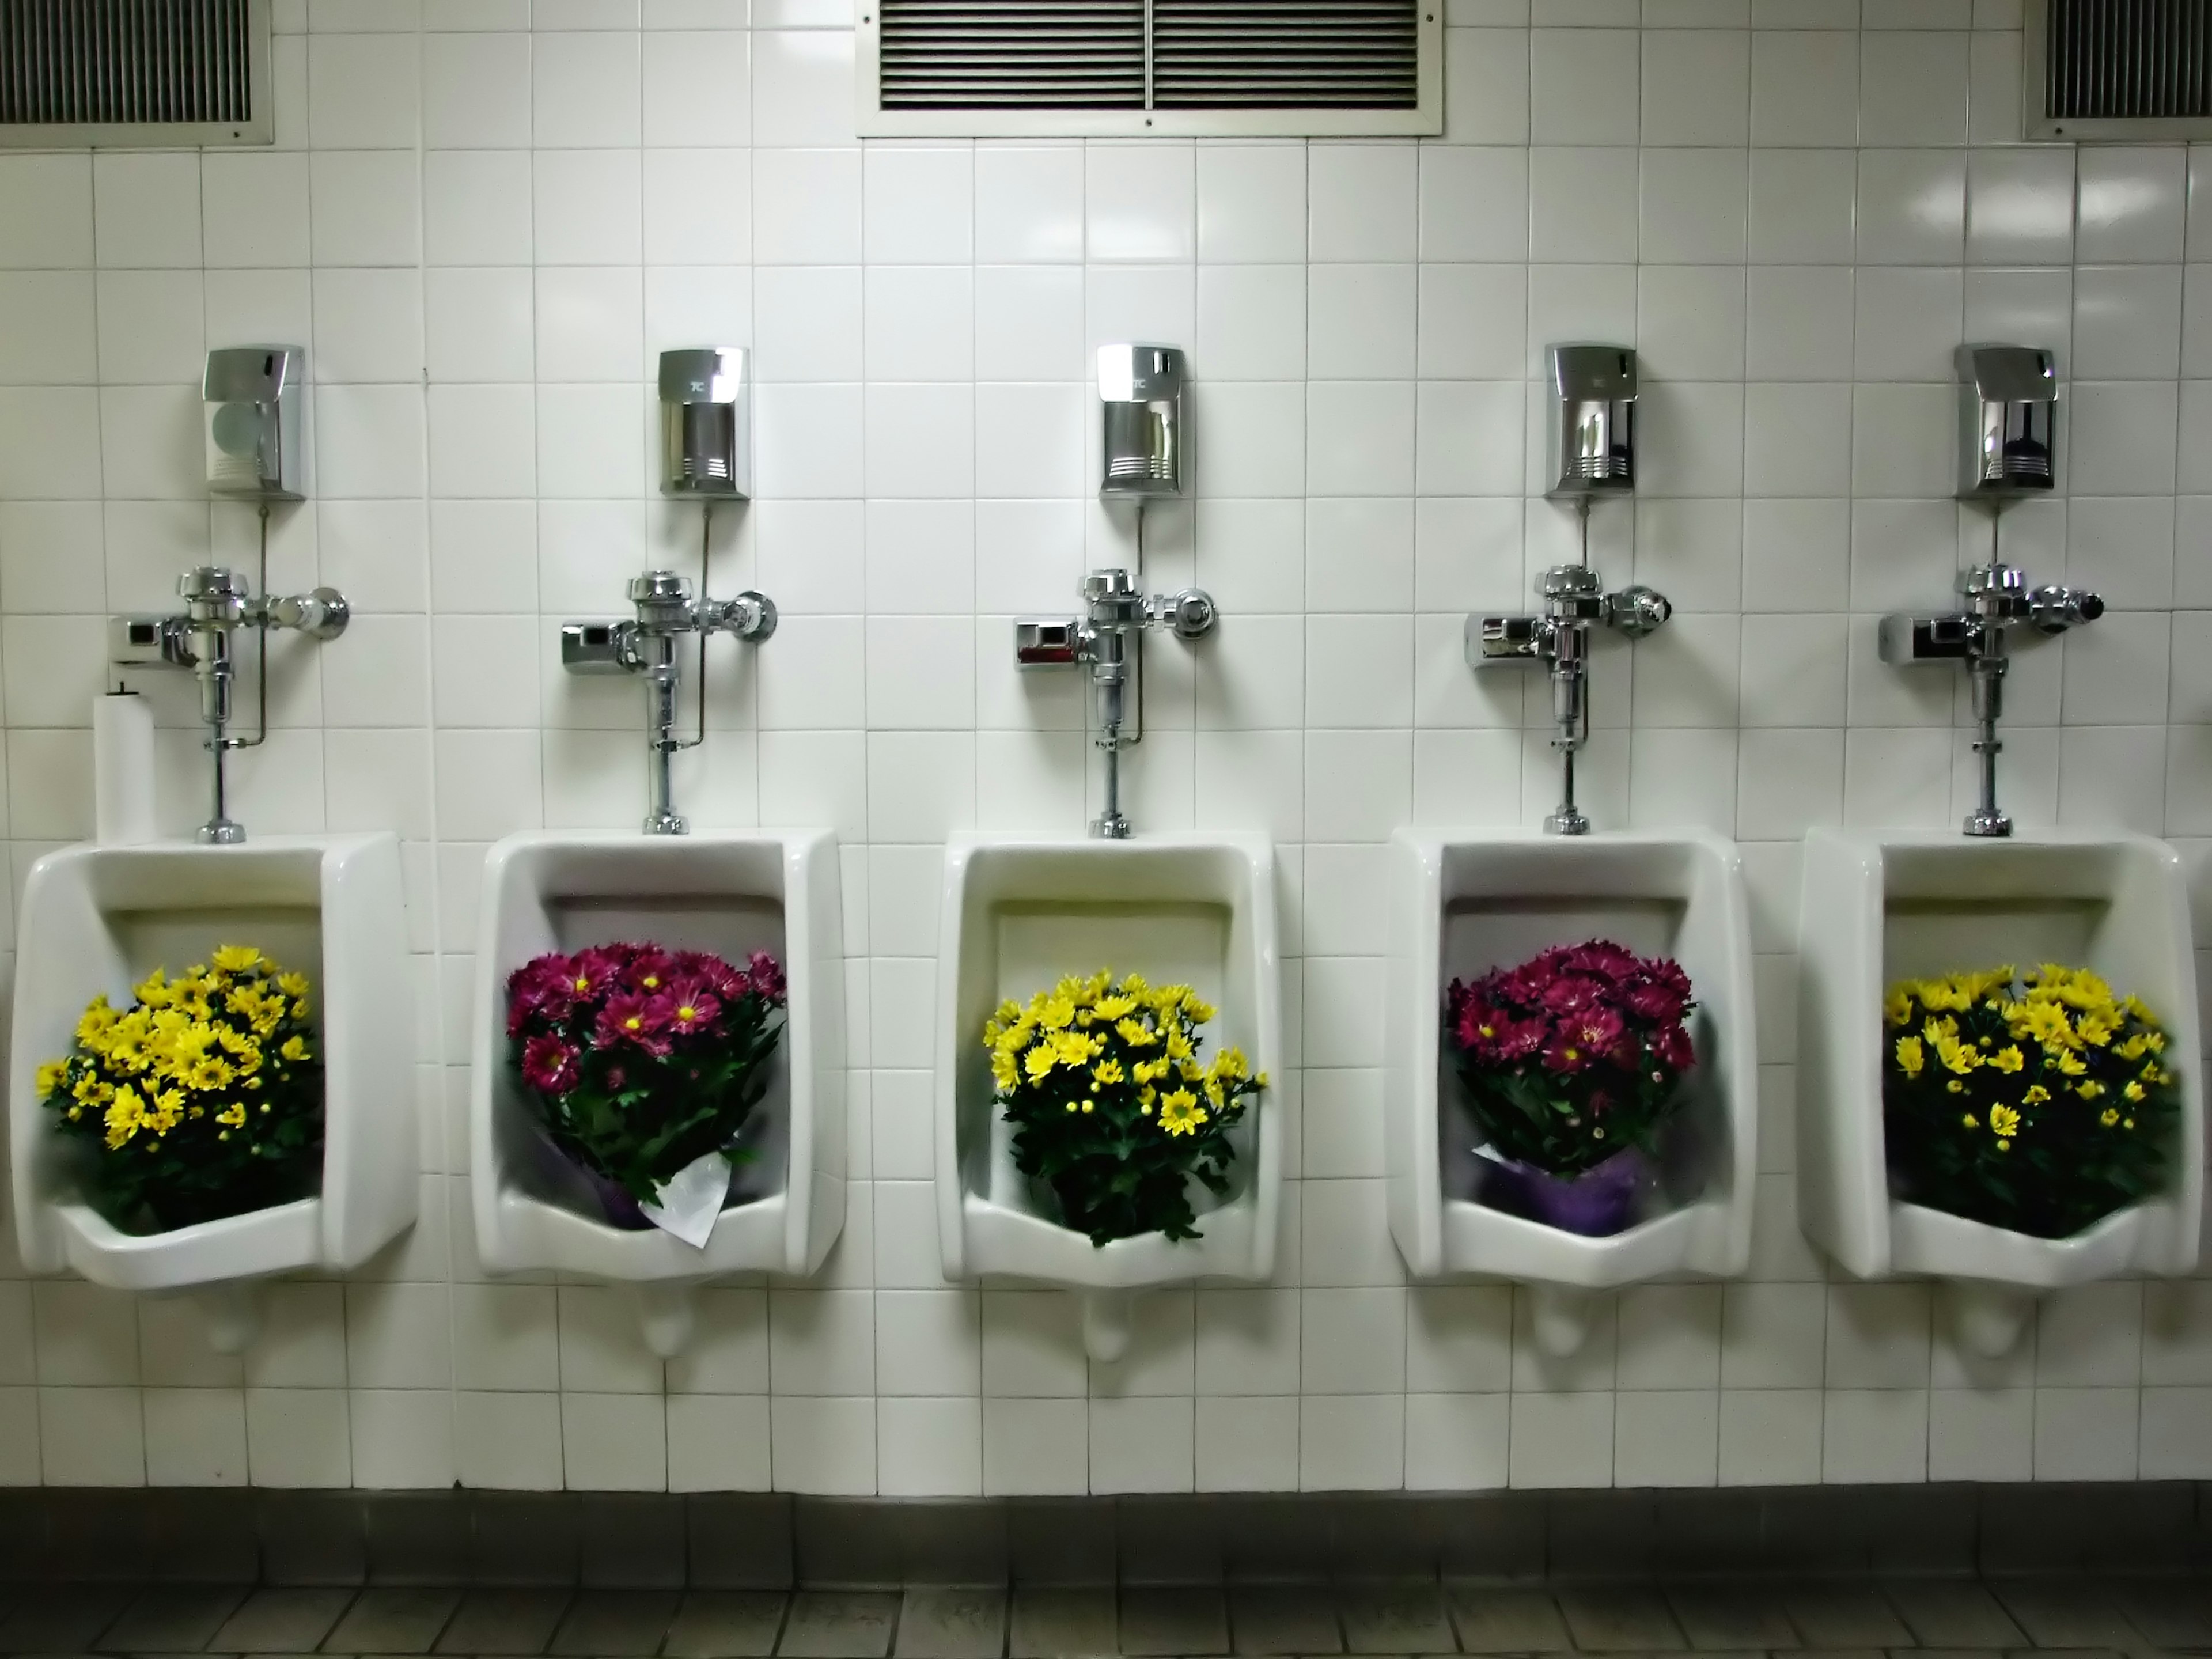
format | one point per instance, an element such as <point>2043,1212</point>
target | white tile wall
<point>484,230</point>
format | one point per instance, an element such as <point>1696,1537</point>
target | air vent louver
<point>141,72</point>
<point>1231,54</point>
<point>1013,54</point>
<point>991,67</point>
<point>2117,68</point>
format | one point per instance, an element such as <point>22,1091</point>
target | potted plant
<point>2038,1104</point>
<point>1573,1063</point>
<point>645,1064</point>
<point>202,1099</point>
<point>1112,1108</point>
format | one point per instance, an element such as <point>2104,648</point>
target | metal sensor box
<point>2007,413</point>
<point>707,422</point>
<point>1140,397</point>
<point>1592,446</point>
<point>251,420</point>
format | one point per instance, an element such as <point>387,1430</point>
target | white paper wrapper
<point>691,1198</point>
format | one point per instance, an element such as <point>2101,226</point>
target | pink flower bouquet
<point>642,1061</point>
<point>1572,1063</point>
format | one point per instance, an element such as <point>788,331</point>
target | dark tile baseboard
<point>760,1541</point>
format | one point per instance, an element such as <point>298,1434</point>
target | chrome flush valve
<point>665,613</point>
<point>218,602</point>
<point>1994,599</point>
<point>1104,638</point>
<point>1575,601</point>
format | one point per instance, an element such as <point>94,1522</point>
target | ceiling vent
<point>2119,69</point>
<point>145,74</point>
<point>1163,68</point>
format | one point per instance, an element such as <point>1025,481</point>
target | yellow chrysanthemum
<point>2066,1059</point>
<point>232,1116</point>
<point>2036,1094</point>
<point>1040,1061</point>
<point>168,1111</point>
<point>209,1073</point>
<point>52,1075</point>
<point>2004,1122</point>
<point>237,958</point>
<point>126,1113</point>
<point>2109,1117</point>
<point>1897,1006</point>
<point>1058,1014</point>
<point>1135,1034</point>
<point>2134,1091</point>
<point>1108,1070</point>
<point>1911,1057</point>
<point>1181,1114</point>
<point>2008,1059</point>
<point>296,1049</point>
<point>1958,1057</point>
<point>1941,994</point>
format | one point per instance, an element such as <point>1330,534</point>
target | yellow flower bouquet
<point>203,1099</point>
<point>1112,1107</point>
<point>2040,1105</point>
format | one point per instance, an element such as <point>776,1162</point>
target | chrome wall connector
<point>1107,638</point>
<point>251,399</point>
<point>2007,450</point>
<point>1143,457</point>
<point>1994,601</point>
<point>1591,456</point>
<point>218,602</point>
<point>706,453</point>
<point>1559,637</point>
<point>666,615</point>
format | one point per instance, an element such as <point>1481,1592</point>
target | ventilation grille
<point>2136,62</point>
<point>1137,55</point>
<point>1013,54</point>
<point>100,71</point>
<point>1349,54</point>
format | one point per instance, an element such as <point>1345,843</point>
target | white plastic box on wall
<point>1462,904</point>
<point>1018,916</point>
<point>732,893</point>
<point>100,919</point>
<point>1881,907</point>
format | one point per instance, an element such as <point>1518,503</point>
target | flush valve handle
<point>750,615</point>
<point>2054,609</point>
<point>322,614</point>
<point>1636,611</point>
<point>1190,613</point>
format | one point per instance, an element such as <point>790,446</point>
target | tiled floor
<point>1927,1618</point>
